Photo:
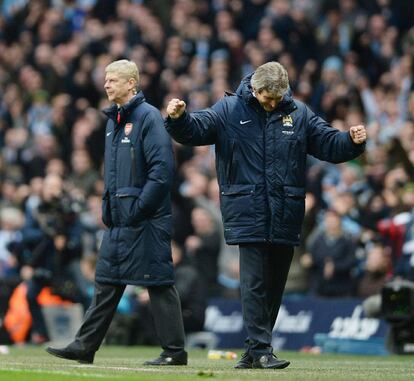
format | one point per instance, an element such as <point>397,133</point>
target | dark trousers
<point>165,308</point>
<point>34,287</point>
<point>263,273</point>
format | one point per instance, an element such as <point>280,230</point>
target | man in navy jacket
<point>262,136</point>
<point>136,249</point>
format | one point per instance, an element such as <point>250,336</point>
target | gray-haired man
<point>262,136</point>
<point>136,208</point>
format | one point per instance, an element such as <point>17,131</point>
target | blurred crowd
<point>351,61</point>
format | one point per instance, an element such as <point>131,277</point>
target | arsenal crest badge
<point>128,128</point>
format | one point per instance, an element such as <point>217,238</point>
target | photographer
<point>395,301</point>
<point>49,252</point>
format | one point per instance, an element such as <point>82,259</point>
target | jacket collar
<point>126,109</point>
<point>286,105</point>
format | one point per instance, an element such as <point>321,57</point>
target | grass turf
<point>125,363</point>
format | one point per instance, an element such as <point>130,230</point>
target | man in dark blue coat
<point>262,136</point>
<point>136,249</point>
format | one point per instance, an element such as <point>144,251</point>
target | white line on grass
<point>93,367</point>
<point>134,369</point>
<point>60,372</point>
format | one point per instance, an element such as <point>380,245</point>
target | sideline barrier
<point>337,325</point>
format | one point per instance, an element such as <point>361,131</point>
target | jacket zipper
<point>231,163</point>
<point>268,217</point>
<point>133,165</point>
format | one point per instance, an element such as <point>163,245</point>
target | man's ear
<point>133,83</point>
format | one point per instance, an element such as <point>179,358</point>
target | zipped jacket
<point>136,207</point>
<point>261,161</point>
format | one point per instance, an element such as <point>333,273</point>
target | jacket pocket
<point>127,205</point>
<point>237,204</point>
<point>294,209</point>
<point>106,210</point>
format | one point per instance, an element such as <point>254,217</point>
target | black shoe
<point>245,362</point>
<point>270,361</point>
<point>69,354</point>
<point>180,358</point>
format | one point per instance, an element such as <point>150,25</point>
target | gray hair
<point>272,77</point>
<point>125,69</point>
<point>12,216</point>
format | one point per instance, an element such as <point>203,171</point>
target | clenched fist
<point>358,134</point>
<point>175,108</point>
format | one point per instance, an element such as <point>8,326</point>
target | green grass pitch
<point>125,363</point>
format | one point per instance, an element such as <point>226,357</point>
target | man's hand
<point>192,243</point>
<point>358,134</point>
<point>27,272</point>
<point>328,269</point>
<point>175,108</point>
<point>306,260</point>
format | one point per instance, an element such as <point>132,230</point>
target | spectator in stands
<point>11,221</point>
<point>94,228</point>
<point>404,263</point>
<point>83,176</point>
<point>49,251</point>
<point>331,259</point>
<point>298,277</point>
<point>203,249</point>
<point>375,271</point>
<point>344,204</point>
<point>191,289</point>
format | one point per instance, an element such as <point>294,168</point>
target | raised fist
<point>358,134</point>
<point>175,108</point>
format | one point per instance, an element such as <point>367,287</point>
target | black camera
<point>56,215</point>
<point>398,309</point>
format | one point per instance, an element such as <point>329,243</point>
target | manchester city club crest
<point>287,121</point>
<point>128,128</point>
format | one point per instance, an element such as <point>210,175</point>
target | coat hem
<point>258,240</point>
<point>134,282</point>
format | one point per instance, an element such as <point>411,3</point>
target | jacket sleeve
<point>327,143</point>
<point>160,163</point>
<point>197,128</point>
